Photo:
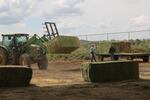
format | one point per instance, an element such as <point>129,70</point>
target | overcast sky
<point>74,17</point>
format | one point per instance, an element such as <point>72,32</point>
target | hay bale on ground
<point>15,76</point>
<point>63,44</point>
<point>110,71</point>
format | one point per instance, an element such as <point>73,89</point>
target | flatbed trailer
<point>130,56</point>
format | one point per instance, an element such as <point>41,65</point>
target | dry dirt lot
<point>63,81</point>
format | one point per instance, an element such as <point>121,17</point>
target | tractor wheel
<point>25,60</point>
<point>116,57</point>
<point>43,63</point>
<point>3,56</point>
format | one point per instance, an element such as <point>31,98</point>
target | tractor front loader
<point>18,49</point>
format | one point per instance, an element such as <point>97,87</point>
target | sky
<point>74,17</point>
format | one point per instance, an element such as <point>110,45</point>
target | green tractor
<point>19,49</point>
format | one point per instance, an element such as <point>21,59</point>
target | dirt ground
<point>63,81</point>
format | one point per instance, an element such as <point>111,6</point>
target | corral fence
<point>130,35</point>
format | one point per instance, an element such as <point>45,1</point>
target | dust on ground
<point>63,81</point>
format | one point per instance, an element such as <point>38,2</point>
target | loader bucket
<point>63,44</point>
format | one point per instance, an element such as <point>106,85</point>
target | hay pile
<point>63,44</point>
<point>110,71</point>
<point>15,76</point>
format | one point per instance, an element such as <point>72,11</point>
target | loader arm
<point>51,30</point>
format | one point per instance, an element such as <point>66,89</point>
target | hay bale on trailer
<point>116,46</point>
<point>104,46</point>
<point>63,44</point>
<point>110,71</point>
<point>125,47</point>
<point>15,76</point>
<point>122,47</point>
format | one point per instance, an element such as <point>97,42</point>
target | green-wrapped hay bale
<point>110,71</point>
<point>63,44</point>
<point>15,76</point>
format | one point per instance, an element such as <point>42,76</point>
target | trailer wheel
<point>25,60</point>
<point>3,56</point>
<point>43,63</point>
<point>130,58</point>
<point>145,58</point>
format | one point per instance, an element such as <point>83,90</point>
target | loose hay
<point>15,76</point>
<point>63,44</point>
<point>110,71</point>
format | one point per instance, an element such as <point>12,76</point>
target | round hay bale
<point>15,76</point>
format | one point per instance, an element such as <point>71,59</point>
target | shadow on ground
<point>125,90</point>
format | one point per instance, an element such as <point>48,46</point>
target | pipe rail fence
<point>130,35</point>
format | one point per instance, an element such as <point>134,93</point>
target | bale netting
<point>110,71</point>
<point>63,44</point>
<point>14,76</point>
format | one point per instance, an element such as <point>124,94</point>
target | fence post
<point>86,38</point>
<point>107,37</point>
<point>128,36</point>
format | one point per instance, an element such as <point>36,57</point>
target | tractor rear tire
<point>25,60</point>
<point>3,56</point>
<point>43,63</point>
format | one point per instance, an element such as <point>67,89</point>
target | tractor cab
<point>13,46</point>
<point>14,40</point>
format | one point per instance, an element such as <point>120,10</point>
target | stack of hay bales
<point>116,45</point>
<point>15,76</point>
<point>110,71</point>
<point>122,47</point>
<point>125,47</point>
<point>104,46</point>
<point>63,44</point>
